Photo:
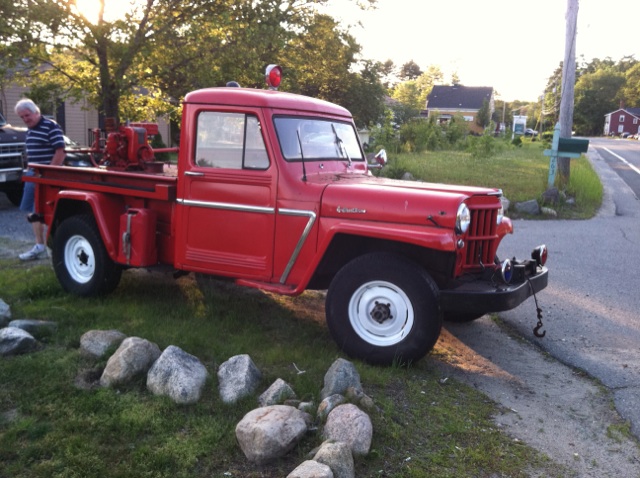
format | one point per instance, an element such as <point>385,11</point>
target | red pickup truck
<point>273,191</point>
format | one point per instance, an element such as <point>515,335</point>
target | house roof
<point>631,111</point>
<point>458,97</point>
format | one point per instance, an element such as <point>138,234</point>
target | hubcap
<point>79,259</point>
<point>381,313</point>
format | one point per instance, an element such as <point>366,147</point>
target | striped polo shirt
<point>43,140</point>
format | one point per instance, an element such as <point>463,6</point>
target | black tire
<point>14,194</point>
<point>80,260</point>
<point>384,309</point>
<point>461,317</point>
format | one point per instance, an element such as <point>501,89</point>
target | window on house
<point>621,119</point>
<point>635,120</point>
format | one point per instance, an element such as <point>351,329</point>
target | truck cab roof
<point>264,99</point>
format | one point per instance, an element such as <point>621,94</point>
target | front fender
<point>106,211</point>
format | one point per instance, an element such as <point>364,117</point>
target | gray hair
<point>27,105</point>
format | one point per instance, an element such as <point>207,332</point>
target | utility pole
<point>568,83</point>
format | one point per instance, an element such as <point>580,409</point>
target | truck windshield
<point>316,138</point>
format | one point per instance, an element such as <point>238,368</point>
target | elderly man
<point>45,145</point>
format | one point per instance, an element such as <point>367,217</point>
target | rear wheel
<point>383,308</point>
<point>80,260</point>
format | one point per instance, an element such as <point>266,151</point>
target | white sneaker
<point>38,251</point>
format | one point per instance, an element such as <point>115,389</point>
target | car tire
<point>383,308</point>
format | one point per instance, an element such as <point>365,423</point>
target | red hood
<point>388,200</point>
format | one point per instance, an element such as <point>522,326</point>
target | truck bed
<point>150,185</point>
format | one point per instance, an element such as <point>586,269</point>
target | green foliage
<point>456,131</point>
<point>157,142</point>
<point>484,115</point>
<point>596,94</point>
<point>485,146</point>
<point>420,135</point>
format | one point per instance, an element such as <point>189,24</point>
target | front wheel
<point>383,308</point>
<point>81,262</point>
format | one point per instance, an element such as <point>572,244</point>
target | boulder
<point>347,423</point>
<point>328,404</point>
<point>238,377</point>
<point>341,375</point>
<point>96,343</point>
<point>528,207</point>
<point>133,358</point>
<point>178,375</point>
<point>278,392</point>
<point>5,313</point>
<point>15,341</point>
<point>338,457</point>
<point>267,433</point>
<point>38,328</point>
<point>311,469</point>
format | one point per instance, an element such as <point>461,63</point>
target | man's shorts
<point>29,194</point>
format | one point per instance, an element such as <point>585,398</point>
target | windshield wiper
<point>304,169</point>
<point>341,146</point>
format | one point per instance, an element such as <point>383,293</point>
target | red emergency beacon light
<point>273,76</point>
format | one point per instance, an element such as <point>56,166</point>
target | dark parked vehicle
<point>11,160</point>
<point>76,154</point>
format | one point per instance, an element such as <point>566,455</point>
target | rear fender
<point>105,209</point>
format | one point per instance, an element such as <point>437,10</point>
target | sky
<point>513,46</point>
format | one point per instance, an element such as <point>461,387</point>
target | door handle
<point>193,173</point>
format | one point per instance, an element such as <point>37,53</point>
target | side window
<point>230,141</point>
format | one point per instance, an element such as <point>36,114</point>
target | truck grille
<point>11,154</point>
<point>482,238</point>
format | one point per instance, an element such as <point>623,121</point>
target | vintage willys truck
<point>272,190</point>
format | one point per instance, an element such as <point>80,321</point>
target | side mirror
<point>380,160</point>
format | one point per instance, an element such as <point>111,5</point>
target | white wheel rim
<point>386,302</point>
<point>79,259</point>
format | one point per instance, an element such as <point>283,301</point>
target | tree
<point>484,115</point>
<point>158,48</point>
<point>410,71</point>
<point>631,90</point>
<point>596,94</point>
<point>408,101</point>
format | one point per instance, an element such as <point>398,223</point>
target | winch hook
<point>536,329</point>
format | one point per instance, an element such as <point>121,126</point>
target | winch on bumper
<point>488,293</point>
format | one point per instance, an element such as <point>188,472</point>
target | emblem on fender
<point>350,210</point>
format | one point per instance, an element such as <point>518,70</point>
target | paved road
<point>591,304</point>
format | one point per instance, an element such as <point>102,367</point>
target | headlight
<point>500,214</point>
<point>463,219</point>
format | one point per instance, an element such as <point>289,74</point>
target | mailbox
<point>572,145</point>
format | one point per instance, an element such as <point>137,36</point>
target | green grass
<point>422,427</point>
<point>522,174</point>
